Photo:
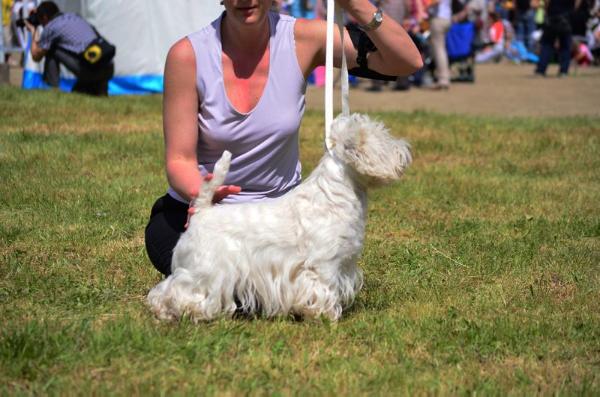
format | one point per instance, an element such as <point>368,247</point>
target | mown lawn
<point>482,267</point>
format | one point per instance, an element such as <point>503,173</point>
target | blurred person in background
<point>580,49</point>
<point>20,11</point>
<point>504,8</point>
<point>581,54</point>
<point>442,14</point>
<point>70,40</point>
<point>540,16</point>
<point>6,30</point>
<point>593,32</point>
<point>440,18</point>
<point>579,19</point>
<point>496,34</point>
<point>524,22</point>
<point>557,28</point>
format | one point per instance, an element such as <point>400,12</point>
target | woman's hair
<point>47,8</point>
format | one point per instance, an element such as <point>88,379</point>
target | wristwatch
<point>375,22</point>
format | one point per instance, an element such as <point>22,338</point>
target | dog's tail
<point>208,189</point>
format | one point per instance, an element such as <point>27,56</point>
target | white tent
<point>142,30</point>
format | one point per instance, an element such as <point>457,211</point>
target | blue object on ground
<point>459,40</point>
<point>522,53</point>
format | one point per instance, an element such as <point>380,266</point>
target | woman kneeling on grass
<point>238,85</point>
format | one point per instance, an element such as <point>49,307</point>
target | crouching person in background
<point>69,40</point>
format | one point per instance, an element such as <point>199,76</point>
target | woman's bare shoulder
<point>310,30</point>
<point>180,66</point>
<point>182,51</point>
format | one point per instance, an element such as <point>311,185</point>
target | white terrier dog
<point>296,254</point>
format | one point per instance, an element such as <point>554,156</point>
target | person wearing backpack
<point>70,40</point>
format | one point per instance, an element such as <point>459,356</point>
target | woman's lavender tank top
<point>264,141</point>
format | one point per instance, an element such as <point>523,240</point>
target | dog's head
<point>368,148</point>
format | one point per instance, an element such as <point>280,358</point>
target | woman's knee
<point>166,224</point>
<point>158,247</point>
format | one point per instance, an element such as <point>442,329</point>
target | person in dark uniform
<point>557,28</point>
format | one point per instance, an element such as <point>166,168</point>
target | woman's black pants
<point>167,221</point>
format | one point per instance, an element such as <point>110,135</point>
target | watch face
<point>375,22</point>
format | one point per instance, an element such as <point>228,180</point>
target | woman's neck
<point>245,39</point>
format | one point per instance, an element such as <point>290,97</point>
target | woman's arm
<point>396,53</point>
<point>180,124</point>
<point>180,120</point>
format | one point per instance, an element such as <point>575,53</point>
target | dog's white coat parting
<point>296,254</point>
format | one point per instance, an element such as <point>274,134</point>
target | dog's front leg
<point>315,296</point>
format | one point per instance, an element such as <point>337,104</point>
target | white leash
<point>334,12</point>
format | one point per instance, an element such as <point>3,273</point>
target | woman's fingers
<point>224,191</point>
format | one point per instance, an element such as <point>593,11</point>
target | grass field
<point>482,267</point>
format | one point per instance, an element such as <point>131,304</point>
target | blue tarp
<point>120,85</point>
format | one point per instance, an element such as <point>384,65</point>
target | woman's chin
<point>250,16</point>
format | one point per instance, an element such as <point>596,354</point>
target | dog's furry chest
<point>335,227</point>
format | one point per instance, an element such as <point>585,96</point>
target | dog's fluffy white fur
<point>293,255</point>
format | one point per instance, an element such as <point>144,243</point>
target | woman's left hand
<point>224,191</point>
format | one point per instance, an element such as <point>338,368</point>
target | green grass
<point>482,267</point>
